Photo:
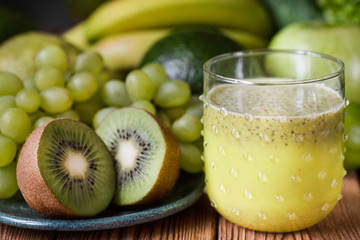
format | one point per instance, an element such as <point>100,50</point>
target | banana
<point>124,50</point>
<point>246,39</point>
<point>76,36</point>
<point>116,16</point>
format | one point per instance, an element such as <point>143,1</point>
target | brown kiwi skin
<point>170,170</point>
<point>31,184</point>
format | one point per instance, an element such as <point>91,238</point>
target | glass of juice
<point>274,137</point>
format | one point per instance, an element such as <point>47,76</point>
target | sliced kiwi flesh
<point>64,169</point>
<point>146,155</point>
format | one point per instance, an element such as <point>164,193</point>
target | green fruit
<point>17,54</point>
<point>146,154</point>
<point>115,94</point>
<point>15,124</point>
<point>101,115</point>
<point>146,105</point>
<point>56,100</point>
<point>190,159</point>
<point>41,121</point>
<point>156,73</point>
<point>52,56</point>
<point>139,85</point>
<point>183,53</point>
<point>173,113</point>
<point>6,102</point>
<point>187,128</point>
<point>10,84</point>
<point>8,184</point>
<point>172,94</point>
<point>65,170</point>
<point>341,41</point>
<point>8,150</point>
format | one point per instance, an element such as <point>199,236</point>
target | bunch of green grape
<point>84,90</point>
<point>169,100</point>
<point>54,91</point>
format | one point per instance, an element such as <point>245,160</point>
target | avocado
<point>184,52</point>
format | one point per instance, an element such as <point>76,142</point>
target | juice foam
<point>274,155</point>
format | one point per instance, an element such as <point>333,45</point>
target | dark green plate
<point>186,192</point>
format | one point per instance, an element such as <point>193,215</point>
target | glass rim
<point>258,52</point>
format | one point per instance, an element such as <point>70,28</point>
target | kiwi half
<point>146,154</point>
<point>65,170</point>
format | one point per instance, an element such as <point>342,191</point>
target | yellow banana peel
<point>76,36</point>
<point>124,50</point>
<point>118,16</point>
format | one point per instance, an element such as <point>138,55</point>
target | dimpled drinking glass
<point>274,137</point>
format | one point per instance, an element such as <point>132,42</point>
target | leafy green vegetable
<point>285,12</point>
<point>340,11</point>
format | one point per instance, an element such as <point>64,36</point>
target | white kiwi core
<point>126,154</point>
<point>76,164</point>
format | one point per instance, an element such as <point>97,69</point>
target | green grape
<point>163,118</point>
<point>104,76</point>
<point>15,124</point>
<point>8,150</point>
<point>172,93</point>
<point>173,113</point>
<point>199,143</point>
<point>55,100</point>
<point>51,56</point>
<point>89,61</point>
<point>10,84</point>
<point>190,158</point>
<point>101,115</point>
<point>146,105</point>
<point>28,99</point>
<point>36,115</point>
<point>115,94</point>
<point>187,128</point>
<point>6,102</point>
<point>88,109</point>
<point>29,82</point>
<point>82,86</point>
<point>156,72</point>
<point>8,183</point>
<point>194,107</point>
<point>69,114</point>
<point>139,86</point>
<point>41,121</point>
<point>47,77</point>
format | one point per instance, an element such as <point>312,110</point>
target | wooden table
<point>201,221</point>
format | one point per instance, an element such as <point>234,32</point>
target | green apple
<point>341,41</point>
<point>336,40</point>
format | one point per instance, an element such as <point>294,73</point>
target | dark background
<point>47,15</point>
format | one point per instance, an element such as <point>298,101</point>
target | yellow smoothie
<point>274,154</point>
